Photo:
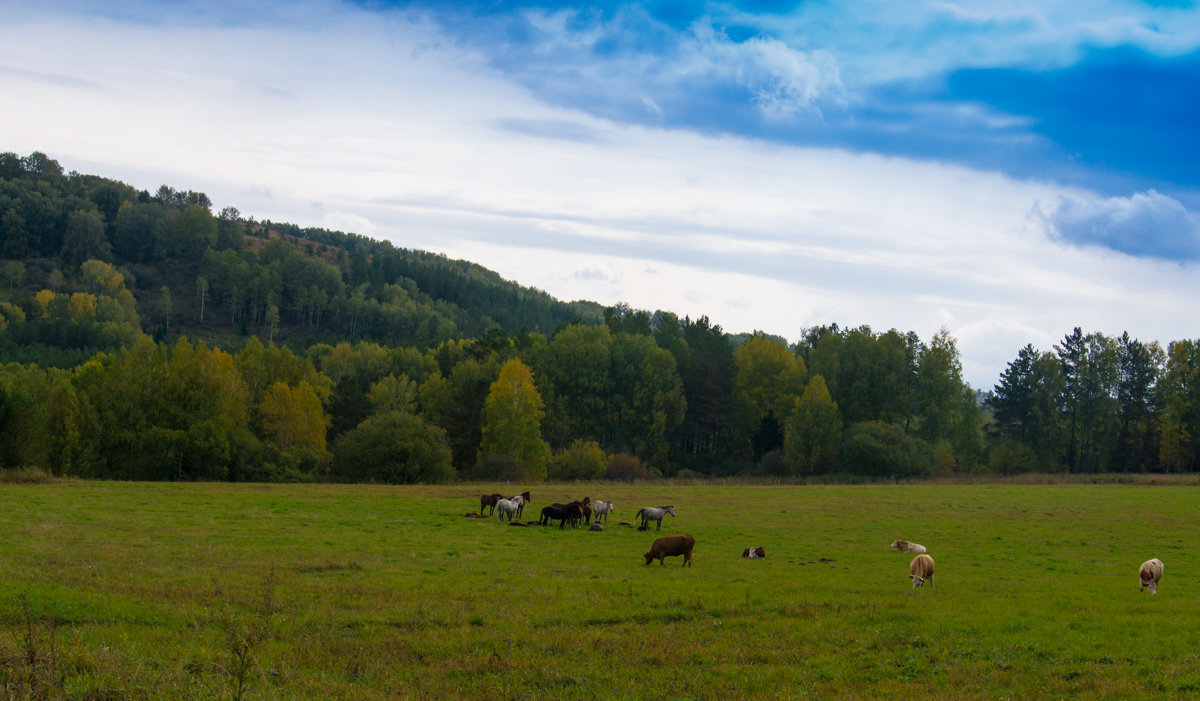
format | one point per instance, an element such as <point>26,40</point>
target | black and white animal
<point>1148,575</point>
<point>756,552</point>
<point>654,513</point>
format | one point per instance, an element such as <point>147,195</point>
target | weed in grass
<point>31,669</point>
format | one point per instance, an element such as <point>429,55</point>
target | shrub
<point>880,449</point>
<point>626,467</point>
<point>583,460</point>
<point>394,447</point>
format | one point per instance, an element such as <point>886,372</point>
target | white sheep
<point>1149,573</point>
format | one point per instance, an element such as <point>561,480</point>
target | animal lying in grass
<point>670,546</point>
<point>906,547</point>
<point>1148,575</point>
<point>920,570</point>
<point>755,553</point>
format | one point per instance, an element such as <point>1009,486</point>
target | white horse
<point>652,513</point>
<point>509,507</point>
<point>601,508</point>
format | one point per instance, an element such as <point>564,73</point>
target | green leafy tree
<point>512,420</point>
<point>939,388</point>
<point>1179,396</point>
<point>394,447</point>
<point>769,380</point>
<point>85,237</point>
<point>292,418</point>
<point>574,373</point>
<point>707,438</point>
<point>394,394</point>
<point>582,460</point>
<point>647,404</point>
<point>813,434</point>
<point>1139,366</point>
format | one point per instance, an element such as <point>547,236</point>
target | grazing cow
<point>1149,574</point>
<point>906,547</point>
<point>920,570</point>
<point>755,553</point>
<point>487,500</point>
<point>651,513</point>
<point>670,546</point>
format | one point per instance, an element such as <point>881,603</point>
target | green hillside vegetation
<point>144,337</point>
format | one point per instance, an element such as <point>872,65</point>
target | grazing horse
<point>601,508</point>
<point>508,507</point>
<point>651,513</point>
<point>525,499</point>
<point>562,512</point>
<point>489,500</point>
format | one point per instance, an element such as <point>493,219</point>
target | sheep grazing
<point>906,547</point>
<point>920,570</point>
<point>1149,574</point>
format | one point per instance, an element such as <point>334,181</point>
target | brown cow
<point>1148,575</point>
<point>670,546</point>
<point>755,553</point>
<point>920,570</point>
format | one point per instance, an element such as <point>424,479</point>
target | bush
<point>880,449</point>
<point>499,468</point>
<point>396,448</point>
<point>584,460</point>
<point>626,467</point>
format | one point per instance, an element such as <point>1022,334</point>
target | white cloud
<point>402,135</point>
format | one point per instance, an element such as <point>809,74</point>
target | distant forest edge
<point>144,337</point>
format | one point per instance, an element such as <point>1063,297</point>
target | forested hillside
<point>142,336</point>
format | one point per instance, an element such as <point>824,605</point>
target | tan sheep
<point>920,570</point>
<point>906,547</point>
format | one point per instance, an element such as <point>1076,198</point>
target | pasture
<point>157,591</point>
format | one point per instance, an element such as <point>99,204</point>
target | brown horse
<point>489,500</point>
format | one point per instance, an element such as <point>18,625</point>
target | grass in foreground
<point>125,590</point>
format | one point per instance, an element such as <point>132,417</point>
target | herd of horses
<point>573,513</point>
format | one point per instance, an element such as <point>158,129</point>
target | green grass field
<point>127,590</point>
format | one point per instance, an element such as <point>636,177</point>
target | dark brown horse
<point>561,512</point>
<point>489,500</point>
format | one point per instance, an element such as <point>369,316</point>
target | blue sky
<point>1007,170</point>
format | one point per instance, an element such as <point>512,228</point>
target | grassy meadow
<point>114,590</point>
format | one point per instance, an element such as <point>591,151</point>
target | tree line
<point>144,337</point>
